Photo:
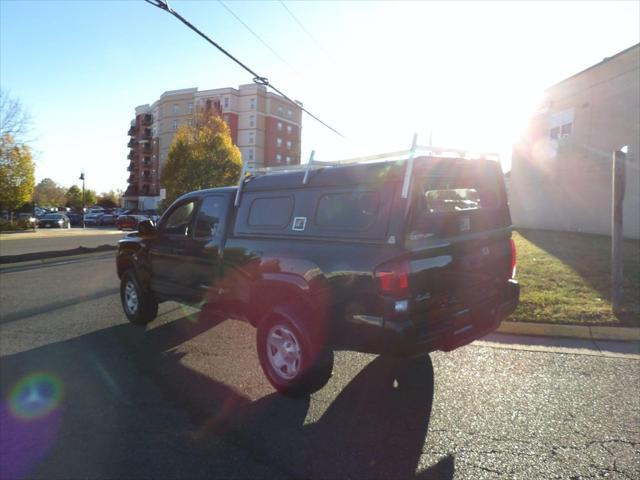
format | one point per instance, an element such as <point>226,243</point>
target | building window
<point>190,107</point>
<point>289,113</point>
<point>561,124</point>
<point>280,110</point>
<point>174,124</point>
<point>279,126</point>
<point>278,158</point>
<point>278,142</point>
<point>288,144</point>
<point>252,121</point>
<point>252,103</point>
<point>226,102</point>
<point>251,138</point>
<point>289,129</point>
<point>176,108</point>
<point>288,160</point>
<point>225,118</point>
<point>250,154</point>
<point>191,122</point>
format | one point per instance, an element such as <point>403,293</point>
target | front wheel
<point>139,306</point>
<point>288,357</point>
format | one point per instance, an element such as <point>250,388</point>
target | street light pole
<point>82,178</point>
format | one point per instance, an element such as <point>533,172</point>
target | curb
<point>626,334</point>
<point>57,258</point>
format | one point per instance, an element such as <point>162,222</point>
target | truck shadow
<point>593,264</point>
<point>370,430</point>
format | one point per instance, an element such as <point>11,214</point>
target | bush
<point>7,226</point>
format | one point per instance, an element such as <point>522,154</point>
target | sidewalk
<point>55,233</point>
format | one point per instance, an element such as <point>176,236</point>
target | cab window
<point>178,220</point>
<point>210,217</point>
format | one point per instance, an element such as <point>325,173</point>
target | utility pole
<point>617,200</point>
<point>82,178</point>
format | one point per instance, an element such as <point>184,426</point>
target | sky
<point>463,75</point>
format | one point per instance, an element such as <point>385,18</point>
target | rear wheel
<point>288,357</point>
<point>139,306</point>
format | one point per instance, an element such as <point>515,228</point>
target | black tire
<point>144,308</point>
<point>314,365</point>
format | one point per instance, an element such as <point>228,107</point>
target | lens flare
<point>192,312</point>
<point>35,395</point>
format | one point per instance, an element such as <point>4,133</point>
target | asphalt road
<point>185,398</point>
<point>47,240</point>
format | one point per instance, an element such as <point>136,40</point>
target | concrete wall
<point>565,183</point>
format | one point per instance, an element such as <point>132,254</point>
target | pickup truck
<point>395,258</point>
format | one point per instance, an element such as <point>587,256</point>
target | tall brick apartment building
<point>264,126</point>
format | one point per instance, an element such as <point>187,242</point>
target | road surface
<point>185,398</point>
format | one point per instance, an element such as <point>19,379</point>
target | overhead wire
<point>301,25</point>
<point>260,80</point>
<point>226,7</point>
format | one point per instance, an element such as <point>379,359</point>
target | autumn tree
<point>49,194</point>
<point>15,121</point>
<point>110,199</point>
<point>74,197</point>
<point>202,155</point>
<point>16,174</point>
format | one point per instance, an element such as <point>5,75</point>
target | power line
<point>304,29</point>
<point>260,80</point>
<point>255,34</point>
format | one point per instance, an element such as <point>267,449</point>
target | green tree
<point>74,197</point>
<point>16,174</point>
<point>49,194</point>
<point>201,155</point>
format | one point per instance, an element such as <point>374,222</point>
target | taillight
<point>513,258</point>
<point>393,278</point>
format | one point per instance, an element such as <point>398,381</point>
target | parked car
<point>92,219</point>
<point>54,220</point>
<point>108,219</point>
<point>28,219</point>
<point>129,222</point>
<point>75,218</point>
<point>361,257</point>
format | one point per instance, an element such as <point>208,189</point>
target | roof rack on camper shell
<point>400,155</point>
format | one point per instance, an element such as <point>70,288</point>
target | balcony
<point>131,191</point>
<point>132,167</point>
<point>132,143</point>
<point>146,148</point>
<point>146,133</point>
<point>132,155</point>
<point>147,119</point>
<point>132,179</point>
<point>132,131</point>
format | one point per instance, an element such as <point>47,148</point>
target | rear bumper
<point>447,331</point>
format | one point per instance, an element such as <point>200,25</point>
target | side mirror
<point>146,228</point>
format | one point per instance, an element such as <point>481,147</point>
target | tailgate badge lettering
<point>422,297</point>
